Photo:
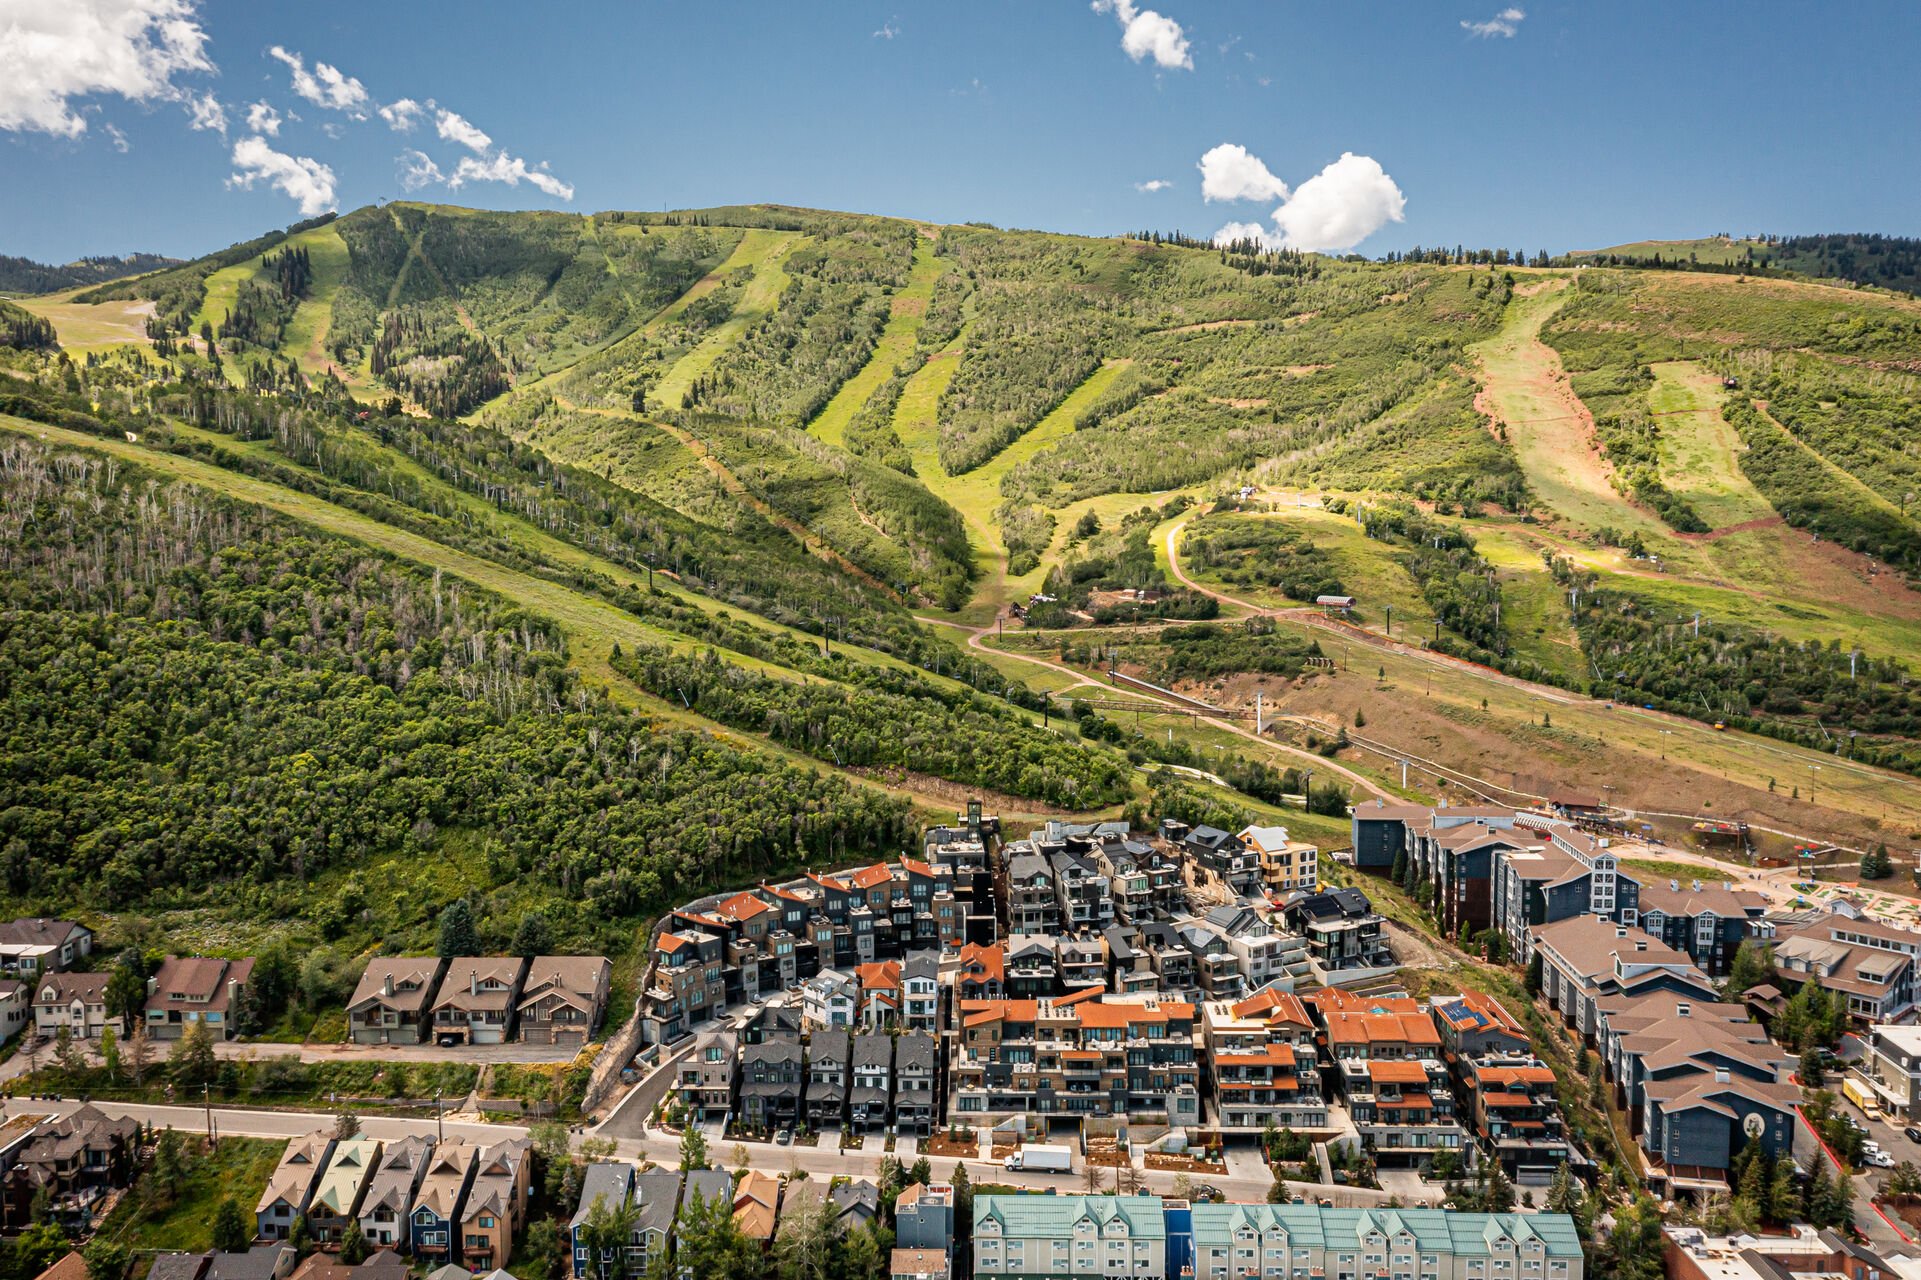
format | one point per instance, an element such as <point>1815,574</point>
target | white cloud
<point>205,112</point>
<point>1503,24</point>
<point>307,181</point>
<point>119,139</point>
<point>457,128</point>
<point>325,86</point>
<point>417,170</point>
<point>1147,34</point>
<point>1235,232</point>
<point>887,30</point>
<point>1331,212</point>
<point>403,115</point>
<point>263,119</point>
<point>54,52</point>
<point>1152,185</point>
<point>511,170</point>
<point>1229,172</point>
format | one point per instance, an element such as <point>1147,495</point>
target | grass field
<point>91,326</point>
<point>1715,249</point>
<point>1700,452</point>
<point>306,336</point>
<point>238,1170</point>
<point>762,250</point>
<point>895,345</point>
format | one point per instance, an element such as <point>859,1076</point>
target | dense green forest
<point>196,689</point>
<point>24,331</point>
<point>889,720</point>
<point>24,275</point>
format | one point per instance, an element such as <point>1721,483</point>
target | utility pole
<point>206,1099</point>
<point>439,1133</point>
<point>1390,622</point>
<point>1258,730</point>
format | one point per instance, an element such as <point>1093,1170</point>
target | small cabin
<point>1342,605</point>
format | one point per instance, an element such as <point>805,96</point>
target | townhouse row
<point>768,1076</point>
<point>1068,908</point>
<point>442,1202</point>
<point>183,991</point>
<point>1493,868</point>
<point>556,1000</point>
<point>1698,1077</point>
<point>1148,1236</point>
<point>763,1206</point>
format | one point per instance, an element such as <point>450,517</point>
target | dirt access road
<point>1757,754</point>
<point>976,639</point>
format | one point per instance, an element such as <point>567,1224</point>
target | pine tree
<point>458,937</point>
<point>232,1229</point>
<point>1784,1194</point>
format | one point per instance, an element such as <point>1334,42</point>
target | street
<point>1246,1180</point>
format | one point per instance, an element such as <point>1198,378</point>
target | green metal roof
<point>1434,1230</point>
<point>1057,1215</point>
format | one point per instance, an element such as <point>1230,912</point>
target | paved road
<point>1246,1180</point>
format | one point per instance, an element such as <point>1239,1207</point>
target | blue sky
<point>1570,126</point>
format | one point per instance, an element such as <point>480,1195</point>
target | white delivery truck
<point>1041,1158</point>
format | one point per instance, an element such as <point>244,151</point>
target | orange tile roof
<point>868,877</point>
<point>1485,1005</point>
<point>1277,1006</point>
<point>1273,1055</point>
<point>672,942</point>
<point>787,894</point>
<point>992,961</point>
<point>743,906</point>
<point>1507,1100</point>
<point>880,975</point>
<point>1381,1072</point>
<point>1382,1028</point>
<point>1514,1075</point>
<point>1092,993</point>
<point>917,868</point>
<point>1177,1008</point>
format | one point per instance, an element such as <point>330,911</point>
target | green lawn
<point>1700,452</point>
<point>306,336</point>
<point>895,345</point>
<point>762,250</point>
<point>238,1168</point>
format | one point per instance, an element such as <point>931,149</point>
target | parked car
<point>1879,1160</point>
<point>1207,1191</point>
<point>782,1137</point>
<point>1912,1133</point>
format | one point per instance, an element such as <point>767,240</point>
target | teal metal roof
<point>1057,1215</point>
<point>1434,1230</point>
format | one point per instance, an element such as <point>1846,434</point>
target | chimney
<point>1697,886</point>
<point>1683,1009</point>
<point>387,984</point>
<point>1720,1075</point>
<point>1641,944</point>
<point>1674,886</point>
<point>473,982</point>
<point>1620,931</point>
